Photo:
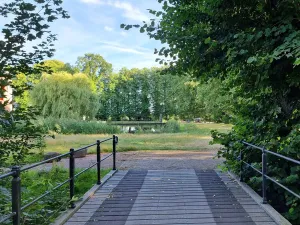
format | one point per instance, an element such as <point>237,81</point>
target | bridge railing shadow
<point>263,171</point>
<point>16,171</point>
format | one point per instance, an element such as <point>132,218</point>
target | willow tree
<point>62,95</point>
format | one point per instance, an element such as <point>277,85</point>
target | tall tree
<point>253,47</point>
<point>94,65</point>
<point>25,22</point>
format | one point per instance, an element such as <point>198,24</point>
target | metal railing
<point>263,171</point>
<point>16,171</point>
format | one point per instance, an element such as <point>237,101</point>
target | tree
<point>94,66</point>
<point>53,65</point>
<point>253,47</point>
<point>26,22</point>
<point>62,95</point>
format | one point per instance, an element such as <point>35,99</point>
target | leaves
<point>62,95</point>
<point>253,47</point>
<point>27,22</point>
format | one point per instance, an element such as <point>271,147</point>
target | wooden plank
<point>171,197</point>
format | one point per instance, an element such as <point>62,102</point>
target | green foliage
<point>19,134</point>
<point>52,65</point>
<point>253,48</point>
<point>172,126</point>
<point>26,22</point>
<point>71,126</point>
<point>62,95</point>
<point>146,94</point>
<point>94,66</point>
<point>215,101</point>
<point>36,183</point>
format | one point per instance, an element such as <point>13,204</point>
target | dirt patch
<point>151,160</point>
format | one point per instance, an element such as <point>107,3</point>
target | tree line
<point>91,90</point>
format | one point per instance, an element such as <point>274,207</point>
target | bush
<point>71,126</point>
<point>125,118</point>
<point>172,126</point>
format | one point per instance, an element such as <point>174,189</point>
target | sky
<point>94,27</point>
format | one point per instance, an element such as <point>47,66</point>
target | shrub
<point>172,126</point>
<point>71,126</point>
<point>125,118</point>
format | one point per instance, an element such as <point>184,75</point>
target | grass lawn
<point>192,136</point>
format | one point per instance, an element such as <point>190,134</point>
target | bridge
<point>170,197</point>
<point>144,197</point>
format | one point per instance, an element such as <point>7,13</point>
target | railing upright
<point>72,177</point>
<point>264,179</point>
<point>98,163</point>
<point>114,151</point>
<point>241,166</point>
<point>16,195</point>
<point>15,173</point>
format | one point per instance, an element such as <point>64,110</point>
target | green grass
<point>192,136</point>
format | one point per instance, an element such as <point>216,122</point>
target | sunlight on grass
<point>193,136</point>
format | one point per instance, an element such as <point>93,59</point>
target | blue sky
<point>94,27</point>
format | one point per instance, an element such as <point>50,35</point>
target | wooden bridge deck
<point>170,197</point>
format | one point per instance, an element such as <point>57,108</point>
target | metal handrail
<point>272,153</point>
<point>16,181</point>
<point>263,171</point>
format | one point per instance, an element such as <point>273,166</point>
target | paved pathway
<point>142,197</point>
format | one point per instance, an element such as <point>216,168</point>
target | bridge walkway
<point>144,197</point>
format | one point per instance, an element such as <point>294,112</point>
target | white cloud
<point>91,1</point>
<point>107,28</point>
<point>123,33</point>
<point>115,46</point>
<point>130,12</point>
<point>123,49</point>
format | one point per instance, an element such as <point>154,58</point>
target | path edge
<point>276,216</point>
<point>62,219</point>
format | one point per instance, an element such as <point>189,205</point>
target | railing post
<point>241,166</point>
<point>98,163</point>
<point>264,180</point>
<point>114,151</point>
<point>72,178</point>
<point>16,195</point>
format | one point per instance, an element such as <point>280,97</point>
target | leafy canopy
<point>26,22</point>
<point>94,65</point>
<point>62,95</point>
<point>253,47</point>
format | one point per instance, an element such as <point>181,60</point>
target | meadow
<point>192,136</point>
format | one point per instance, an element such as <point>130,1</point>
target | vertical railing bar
<point>114,152</point>
<point>264,180</point>
<point>16,195</point>
<point>98,163</point>
<point>72,178</point>
<point>241,166</point>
